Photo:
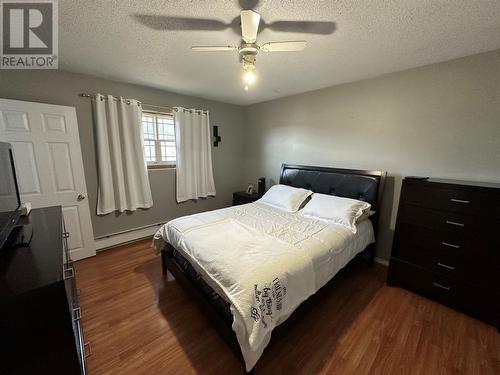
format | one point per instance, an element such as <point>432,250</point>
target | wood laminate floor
<point>140,323</point>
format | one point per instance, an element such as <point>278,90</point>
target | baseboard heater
<point>125,236</point>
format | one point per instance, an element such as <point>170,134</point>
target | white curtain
<point>122,172</point>
<point>194,154</point>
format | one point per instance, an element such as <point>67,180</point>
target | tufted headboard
<point>350,183</point>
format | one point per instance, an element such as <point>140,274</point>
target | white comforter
<point>264,261</point>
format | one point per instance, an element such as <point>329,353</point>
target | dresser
<point>40,318</point>
<point>447,244</point>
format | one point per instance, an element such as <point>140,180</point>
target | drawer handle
<point>450,245</point>
<point>445,266</point>
<point>87,353</point>
<point>77,314</point>
<point>460,201</point>
<point>455,223</point>
<point>68,273</point>
<point>447,288</point>
<point>65,234</point>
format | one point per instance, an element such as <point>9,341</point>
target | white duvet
<point>264,261</point>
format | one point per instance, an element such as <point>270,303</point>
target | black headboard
<point>350,183</point>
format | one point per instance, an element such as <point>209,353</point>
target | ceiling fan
<point>247,25</point>
<point>249,49</point>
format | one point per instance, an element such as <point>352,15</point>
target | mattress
<point>327,242</point>
<point>323,270</point>
<point>249,252</point>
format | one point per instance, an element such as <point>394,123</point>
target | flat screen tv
<point>9,193</point>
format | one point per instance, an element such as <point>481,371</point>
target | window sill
<point>161,166</point>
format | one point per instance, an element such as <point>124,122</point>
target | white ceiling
<point>103,38</point>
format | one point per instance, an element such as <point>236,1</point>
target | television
<point>9,194</point>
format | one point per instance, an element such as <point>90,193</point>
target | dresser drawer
<point>456,244</point>
<point>437,197</point>
<point>456,224</point>
<point>479,302</point>
<point>448,254</point>
<point>441,262</point>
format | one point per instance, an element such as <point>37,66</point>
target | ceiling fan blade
<point>297,45</point>
<point>180,23</point>
<point>309,27</point>
<point>249,25</point>
<point>213,48</point>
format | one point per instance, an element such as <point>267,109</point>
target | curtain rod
<point>84,95</point>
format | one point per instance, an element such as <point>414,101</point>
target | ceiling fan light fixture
<point>248,62</point>
<point>249,70</point>
<point>249,77</point>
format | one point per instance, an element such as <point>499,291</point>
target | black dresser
<point>446,245</point>
<point>40,330</point>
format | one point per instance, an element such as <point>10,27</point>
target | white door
<point>49,167</point>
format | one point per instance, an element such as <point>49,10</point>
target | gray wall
<point>57,87</point>
<point>441,120</point>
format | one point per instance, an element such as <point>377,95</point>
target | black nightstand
<point>241,197</point>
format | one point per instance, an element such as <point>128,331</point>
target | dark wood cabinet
<point>40,328</point>
<point>446,246</point>
<point>241,197</point>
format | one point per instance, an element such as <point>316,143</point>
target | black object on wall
<point>217,137</point>
<point>261,186</point>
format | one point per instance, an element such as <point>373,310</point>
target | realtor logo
<point>29,38</point>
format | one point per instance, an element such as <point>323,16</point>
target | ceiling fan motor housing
<point>249,49</point>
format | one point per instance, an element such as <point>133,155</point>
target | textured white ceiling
<point>373,37</point>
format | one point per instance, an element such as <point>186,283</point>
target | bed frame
<point>351,183</point>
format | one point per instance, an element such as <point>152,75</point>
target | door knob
<point>80,197</point>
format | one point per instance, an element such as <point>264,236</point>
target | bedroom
<point>382,90</point>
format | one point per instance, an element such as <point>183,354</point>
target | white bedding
<point>264,261</point>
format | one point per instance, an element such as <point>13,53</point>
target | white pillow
<point>366,214</point>
<point>344,211</point>
<point>285,197</point>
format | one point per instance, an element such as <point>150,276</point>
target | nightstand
<point>241,197</point>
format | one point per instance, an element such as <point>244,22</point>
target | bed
<point>249,267</point>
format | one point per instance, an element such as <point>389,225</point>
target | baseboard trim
<point>382,261</point>
<point>81,254</point>
<point>114,240</point>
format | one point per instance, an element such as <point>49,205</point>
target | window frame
<point>157,142</point>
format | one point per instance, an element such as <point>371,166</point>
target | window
<point>159,140</point>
